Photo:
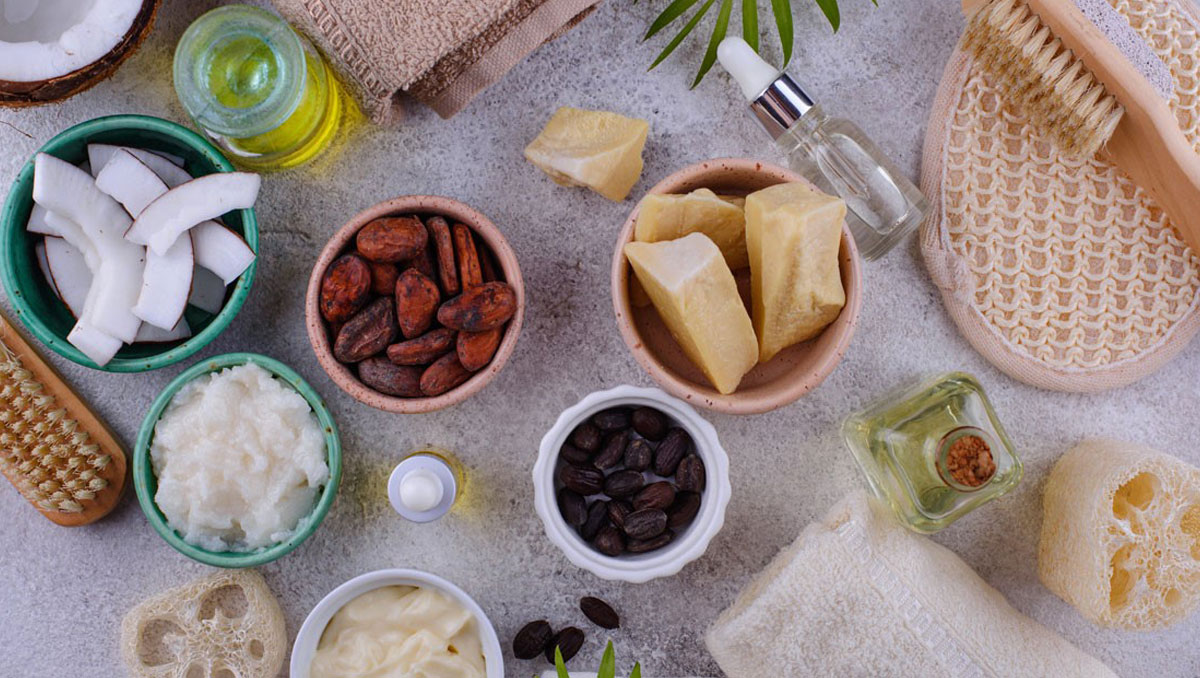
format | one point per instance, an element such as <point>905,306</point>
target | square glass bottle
<point>934,450</point>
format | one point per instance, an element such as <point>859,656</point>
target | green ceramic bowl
<point>147,485</point>
<point>36,304</point>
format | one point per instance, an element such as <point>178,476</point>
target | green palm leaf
<point>783,21</point>
<point>687,28</point>
<point>750,23</point>
<point>671,13</point>
<point>718,34</point>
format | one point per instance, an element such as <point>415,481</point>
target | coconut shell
<point>34,93</point>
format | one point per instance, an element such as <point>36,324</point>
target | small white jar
<point>690,544</point>
<point>305,647</point>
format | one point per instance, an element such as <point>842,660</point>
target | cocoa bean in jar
<point>387,377</point>
<point>650,423</point>
<point>612,419</point>
<point>659,495</point>
<point>675,446</point>
<point>613,451</point>
<point>572,506</point>
<point>617,510</point>
<point>597,517</point>
<point>609,541</point>
<point>586,437</point>
<point>581,480</point>
<point>623,483</point>
<point>683,511</point>
<point>573,455</point>
<point>645,524</point>
<point>652,544</point>
<point>638,455</point>
<point>690,476</point>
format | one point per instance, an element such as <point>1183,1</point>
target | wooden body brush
<point>53,449</point>
<point>1078,86</point>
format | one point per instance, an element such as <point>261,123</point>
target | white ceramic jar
<point>690,544</point>
<point>305,647</point>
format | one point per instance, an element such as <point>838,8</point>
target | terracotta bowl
<point>423,205</point>
<point>785,378</point>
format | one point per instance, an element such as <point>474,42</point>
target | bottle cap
<point>775,99</point>
<point>422,488</point>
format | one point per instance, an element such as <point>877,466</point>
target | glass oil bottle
<point>934,451</point>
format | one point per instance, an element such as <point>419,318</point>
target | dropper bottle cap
<point>775,99</point>
<point>422,488</point>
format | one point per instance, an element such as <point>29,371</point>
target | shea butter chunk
<point>667,217</point>
<point>697,298</point>
<point>793,233</point>
<point>596,149</point>
<point>1121,535</point>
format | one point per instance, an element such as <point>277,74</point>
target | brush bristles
<point>1033,68</point>
<point>51,461</point>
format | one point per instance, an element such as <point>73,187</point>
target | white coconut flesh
<point>73,233</point>
<point>45,39</point>
<point>221,251</point>
<point>69,273</point>
<point>39,251</point>
<point>168,167</point>
<point>64,189</point>
<point>186,205</point>
<point>130,182</point>
<point>208,291</point>
<point>166,284</point>
<point>37,222</point>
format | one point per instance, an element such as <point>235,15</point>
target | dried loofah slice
<point>227,625</point>
<point>1121,535</point>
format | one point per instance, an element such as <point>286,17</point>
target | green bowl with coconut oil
<point>35,302</point>
<point>146,484</point>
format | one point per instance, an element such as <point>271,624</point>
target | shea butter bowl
<point>342,242</point>
<point>33,300</point>
<point>146,484</point>
<point>309,636</point>
<point>780,381</point>
<point>689,544</point>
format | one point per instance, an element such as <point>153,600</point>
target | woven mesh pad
<point>1060,271</point>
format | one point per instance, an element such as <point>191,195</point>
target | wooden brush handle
<point>1148,143</point>
<point>66,398</point>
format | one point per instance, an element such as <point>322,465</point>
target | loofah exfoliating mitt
<point>226,624</point>
<point>1059,271</point>
<point>1121,535</point>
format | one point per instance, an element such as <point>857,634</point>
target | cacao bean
<point>444,246</point>
<point>572,507</point>
<point>574,455</point>
<point>645,524</point>
<point>383,278</point>
<point>581,479</point>
<point>367,333</point>
<point>424,262</point>
<point>586,437</point>
<point>684,510</point>
<point>613,451</point>
<point>568,641</point>
<point>345,288</point>
<point>612,419</point>
<point>638,455</point>
<point>491,272</point>
<point>532,639</point>
<point>690,476</point>
<point>424,349</point>
<point>597,517</point>
<point>469,272</point>
<point>674,447</point>
<point>443,375</point>
<point>609,541</point>
<point>658,495</point>
<point>475,349</point>
<point>417,299</point>
<point>480,308</point>
<point>652,544</point>
<point>392,239</point>
<point>650,423</point>
<point>599,612</point>
<point>617,510</point>
<point>387,377</point>
<point>623,483</point>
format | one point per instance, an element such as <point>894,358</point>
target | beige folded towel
<point>859,595</point>
<point>442,52</point>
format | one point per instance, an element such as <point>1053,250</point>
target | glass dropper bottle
<point>883,206</point>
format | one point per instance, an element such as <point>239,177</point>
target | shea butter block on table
<point>596,149</point>
<point>667,217</point>
<point>793,234</point>
<point>695,294</point>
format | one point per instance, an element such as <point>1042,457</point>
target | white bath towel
<point>859,595</point>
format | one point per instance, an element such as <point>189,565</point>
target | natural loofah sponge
<point>227,625</point>
<point>1121,534</point>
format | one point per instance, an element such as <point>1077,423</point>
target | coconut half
<point>53,49</point>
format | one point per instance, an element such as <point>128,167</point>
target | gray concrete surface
<point>65,591</point>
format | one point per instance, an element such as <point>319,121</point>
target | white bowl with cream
<point>308,640</point>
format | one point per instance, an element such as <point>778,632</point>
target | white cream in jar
<point>400,632</point>
<point>239,457</point>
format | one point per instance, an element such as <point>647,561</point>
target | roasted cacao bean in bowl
<point>392,385</point>
<point>689,543</point>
